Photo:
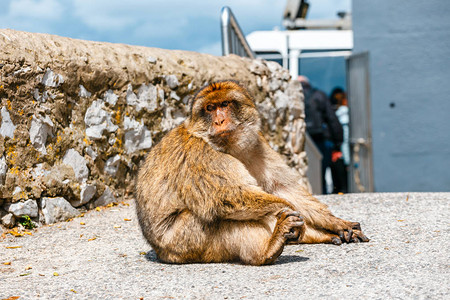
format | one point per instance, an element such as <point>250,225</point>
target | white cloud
<point>106,16</point>
<point>44,9</point>
<point>214,49</point>
<point>162,28</point>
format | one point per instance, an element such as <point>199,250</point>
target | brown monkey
<point>214,191</point>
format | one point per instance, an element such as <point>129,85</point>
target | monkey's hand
<point>291,225</point>
<point>352,234</point>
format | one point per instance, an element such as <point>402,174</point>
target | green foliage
<point>26,222</point>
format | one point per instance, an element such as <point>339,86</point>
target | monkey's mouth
<point>225,133</point>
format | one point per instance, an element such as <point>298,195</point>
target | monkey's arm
<point>233,200</point>
<point>250,204</point>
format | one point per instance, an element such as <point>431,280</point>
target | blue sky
<point>169,24</point>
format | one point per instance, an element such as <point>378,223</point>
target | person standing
<point>340,159</point>
<point>321,124</point>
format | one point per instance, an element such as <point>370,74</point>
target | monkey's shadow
<point>283,259</point>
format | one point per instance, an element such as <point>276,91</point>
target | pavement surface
<point>103,255</point>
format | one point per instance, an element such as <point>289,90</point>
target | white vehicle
<point>291,47</point>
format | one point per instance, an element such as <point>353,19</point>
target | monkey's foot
<point>291,225</point>
<point>351,234</point>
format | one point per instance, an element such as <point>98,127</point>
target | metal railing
<point>233,40</point>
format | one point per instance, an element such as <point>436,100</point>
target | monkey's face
<point>223,113</point>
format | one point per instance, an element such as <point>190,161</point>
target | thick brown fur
<point>214,191</point>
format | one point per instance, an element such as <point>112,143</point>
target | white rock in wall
<point>91,152</point>
<point>258,81</point>
<point>22,70</point>
<point>112,165</point>
<point>106,198</point>
<point>146,98</point>
<point>78,163</point>
<point>52,79</point>
<point>151,59</point>
<point>57,209</point>
<point>174,95</point>
<point>161,94</point>
<point>296,103</point>
<point>17,190</point>
<point>274,84</point>
<point>137,136</point>
<point>8,220</point>
<point>28,207</point>
<point>87,192</point>
<point>172,81</point>
<point>43,97</point>
<point>172,118</point>
<point>39,171</point>
<point>258,67</point>
<point>98,120</point>
<point>273,66</point>
<point>7,128</point>
<point>83,92</point>
<point>110,97</point>
<point>40,128</point>
<point>3,170</point>
<point>281,100</point>
<point>285,75</point>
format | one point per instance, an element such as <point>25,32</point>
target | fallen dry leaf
<point>127,219</point>
<point>55,274</point>
<point>72,290</point>
<point>8,263</point>
<point>28,267</point>
<point>13,247</point>
<point>91,239</point>
<point>12,298</point>
<point>117,226</point>
<point>15,233</point>
<point>82,223</point>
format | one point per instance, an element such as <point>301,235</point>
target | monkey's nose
<point>219,122</point>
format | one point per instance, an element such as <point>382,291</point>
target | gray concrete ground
<point>407,258</point>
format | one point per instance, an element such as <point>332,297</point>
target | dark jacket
<point>321,120</point>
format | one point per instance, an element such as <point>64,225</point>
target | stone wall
<point>77,117</point>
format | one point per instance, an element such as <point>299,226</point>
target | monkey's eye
<point>210,107</point>
<point>224,103</point>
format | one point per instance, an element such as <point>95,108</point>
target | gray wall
<point>409,48</point>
